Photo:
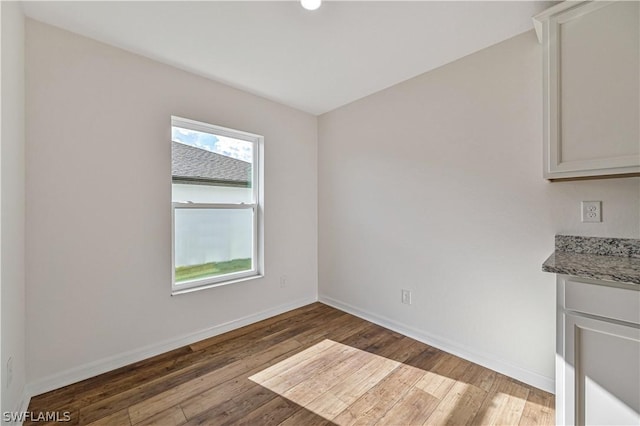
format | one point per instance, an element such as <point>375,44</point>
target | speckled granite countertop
<point>609,259</point>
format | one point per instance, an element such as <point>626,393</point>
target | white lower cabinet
<point>598,354</point>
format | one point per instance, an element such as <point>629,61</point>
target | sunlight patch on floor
<point>340,383</point>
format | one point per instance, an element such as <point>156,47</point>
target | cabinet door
<point>602,372</point>
<point>592,90</point>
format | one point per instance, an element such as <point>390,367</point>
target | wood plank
<point>304,370</point>
<point>427,359</point>
<point>504,404</point>
<point>307,418</point>
<point>459,406</point>
<point>479,376</point>
<point>539,409</point>
<point>320,382</point>
<point>443,375</point>
<point>342,322</point>
<point>354,327</point>
<point>364,339</point>
<point>172,416</point>
<point>436,385</point>
<point>403,349</point>
<point>374,404</point>
<point>328,405</point>
<point>354,386</point>
<point>231,410</point>
<point>414,408</point>
<point>303,356</point>
<point>273,412</point>
<point>451,366</point>
<point>215,414</point>
<point>118,418</point>
<point>218,395</point>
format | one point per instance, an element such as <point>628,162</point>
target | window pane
<point>212,242</point>
<point>211,168</point>
<point>210,194</point>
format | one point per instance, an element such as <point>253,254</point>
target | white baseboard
<point>486,360</point>
<point>22,405</point>
<point>104,365</point>
<point>25,399</point>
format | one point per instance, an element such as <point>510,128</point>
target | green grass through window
<point>212,269</point>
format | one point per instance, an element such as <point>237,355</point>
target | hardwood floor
<point>311,366</point>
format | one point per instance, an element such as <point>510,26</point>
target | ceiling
<point>313,61</point>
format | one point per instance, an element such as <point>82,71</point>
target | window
<point>217,205</point>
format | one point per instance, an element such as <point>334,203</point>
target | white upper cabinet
<point>591,88</point>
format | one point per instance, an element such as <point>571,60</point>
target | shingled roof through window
<point>189,163</point>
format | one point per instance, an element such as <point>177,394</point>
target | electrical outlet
<point>283,281</point>
<point>406,297</point>
<point>592,211</point>
<point>9,371</point>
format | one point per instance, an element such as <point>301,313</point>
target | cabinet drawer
<point>609,302</point>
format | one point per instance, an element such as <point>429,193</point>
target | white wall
<point>99,197</point>
<point>12,191</point>
<point>435,185</point>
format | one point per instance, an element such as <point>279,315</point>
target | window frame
<point>257,206</point>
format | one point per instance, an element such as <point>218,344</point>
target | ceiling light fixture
<point>311,4</point>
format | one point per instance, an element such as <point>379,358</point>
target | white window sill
<point>207,286</point>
